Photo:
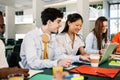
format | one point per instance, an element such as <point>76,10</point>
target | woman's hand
<point>85,57</point>
<point>102,51</point>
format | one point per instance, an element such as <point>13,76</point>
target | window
<point>19,36</point>
<point>24,19</point>
<point>21,18</point>
<point>19,13</point>
<point>95,10</point>
<point>63,9</point>
<point>114,18</point>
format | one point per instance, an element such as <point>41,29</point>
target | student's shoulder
<point>91,34</point>
<point>61,34</point>
<point>118,33</point>
<point>31,33</point>
<point>1,42</point>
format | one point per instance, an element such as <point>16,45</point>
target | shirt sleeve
<point>116,38</point>
<point>34,61</point>
<point>89,44</point>
<point>3,61</point>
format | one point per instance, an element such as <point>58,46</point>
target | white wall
<point>91,24</point>
<point>23,28</point>
<point>27,11</point>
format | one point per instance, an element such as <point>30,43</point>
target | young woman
<point>95,41</point>
<point>69,41</point>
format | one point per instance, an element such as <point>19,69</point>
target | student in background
<point>116,38</point>
<point>2,29</point>
<point>97,38</point>
<point>4,68</point>
<point>3,62</point>
<point>37,48</point>
<point>69,41</point>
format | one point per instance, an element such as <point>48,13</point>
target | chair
<point>15,56</point>
<point>11,42</point>
<point>19,41</point>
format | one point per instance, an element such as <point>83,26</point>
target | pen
<point>71,76</point>
<point>67,77</point>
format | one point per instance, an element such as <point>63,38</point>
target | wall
<point>23,28</point>
<point>91,24</point>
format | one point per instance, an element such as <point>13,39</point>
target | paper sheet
<point>33,72</point>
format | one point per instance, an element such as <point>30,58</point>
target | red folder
<point>105,72</point>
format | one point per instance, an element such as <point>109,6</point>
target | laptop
<point>111,47</point>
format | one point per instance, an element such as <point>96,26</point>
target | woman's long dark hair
<point>98,30</point>
<point>72,18</point>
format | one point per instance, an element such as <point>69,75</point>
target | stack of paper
<point>105,72</point>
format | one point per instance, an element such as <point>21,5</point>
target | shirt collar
<point>39,31</point>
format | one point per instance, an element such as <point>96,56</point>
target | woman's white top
<point>91,43</point>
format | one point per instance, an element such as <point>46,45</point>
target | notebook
<point>111,47</point>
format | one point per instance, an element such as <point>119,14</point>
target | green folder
<point>41,77</point>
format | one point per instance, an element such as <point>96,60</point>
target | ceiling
<point>27,4</point>
<point>18,4</point>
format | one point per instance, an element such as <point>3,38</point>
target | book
<point>114,63</point>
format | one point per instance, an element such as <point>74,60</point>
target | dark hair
<point>72,18</point>
<point>1,13</point>
<point>98,29</point>
<point>50,14</point>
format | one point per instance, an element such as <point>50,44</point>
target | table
<point>88,77</point>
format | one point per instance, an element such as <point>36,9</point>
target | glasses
<point>2,26</point>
